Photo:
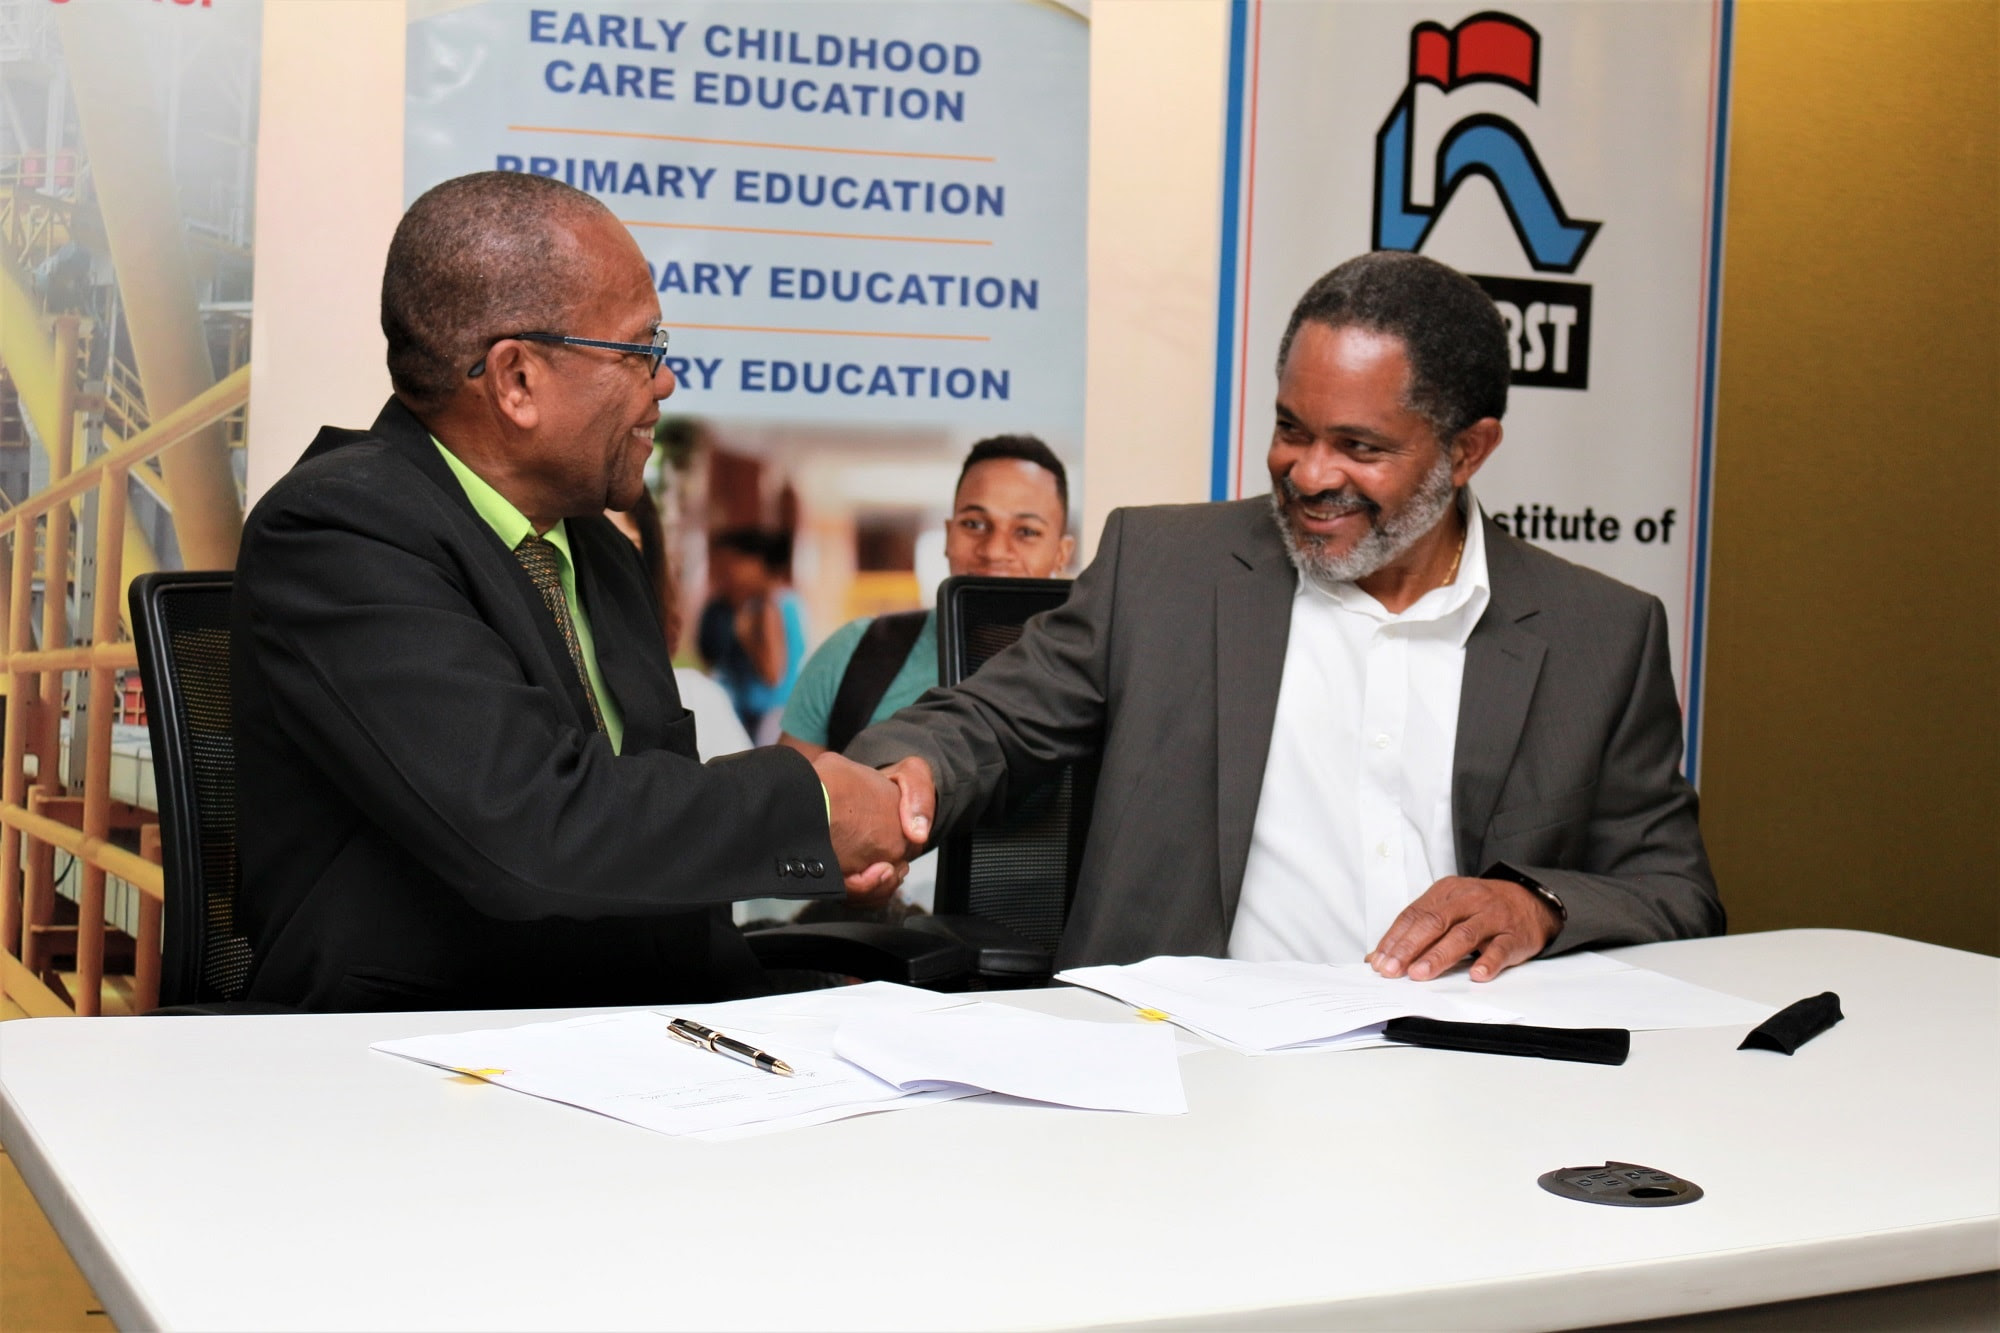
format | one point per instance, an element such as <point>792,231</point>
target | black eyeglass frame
<point>655,351</point>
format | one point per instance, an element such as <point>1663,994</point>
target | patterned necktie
<point>544,568</point>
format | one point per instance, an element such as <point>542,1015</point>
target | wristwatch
<point>1501,870</point>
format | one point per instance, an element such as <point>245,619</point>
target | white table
<point>273,1173</point>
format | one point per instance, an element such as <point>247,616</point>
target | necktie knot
<point>538,556</point>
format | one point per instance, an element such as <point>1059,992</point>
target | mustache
<point>1343,501</point>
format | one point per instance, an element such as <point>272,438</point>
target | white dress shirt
<point>1354,820</point>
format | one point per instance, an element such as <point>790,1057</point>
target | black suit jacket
<point>427,817</point>
<point>1166,660</point>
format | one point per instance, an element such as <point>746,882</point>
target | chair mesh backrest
<point>1019,872</point>
<point>182,622</point>
<point>1019,867</point>
<point>986,641</point>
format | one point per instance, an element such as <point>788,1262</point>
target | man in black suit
<point>1357,719</point>
<point>465,777</point>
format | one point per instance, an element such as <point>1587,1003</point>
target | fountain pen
<point>694,1034</point>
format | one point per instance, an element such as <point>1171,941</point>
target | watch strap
<point>1501,870</point>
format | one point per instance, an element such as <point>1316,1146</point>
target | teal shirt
<point>511,526</point>
<point>810,708</point>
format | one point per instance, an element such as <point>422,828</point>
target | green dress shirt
<point>512,526</point>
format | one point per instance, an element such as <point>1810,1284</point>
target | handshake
<point>879,819</point>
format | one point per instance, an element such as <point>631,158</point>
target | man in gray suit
<point>1356,719</point>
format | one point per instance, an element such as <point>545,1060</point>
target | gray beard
<point>1385,540</point>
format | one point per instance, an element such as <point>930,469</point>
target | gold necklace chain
<point>1452,576</point>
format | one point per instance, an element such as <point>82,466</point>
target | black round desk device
<point>1621,1185</point>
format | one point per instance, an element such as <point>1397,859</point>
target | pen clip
<point>694,1034</point>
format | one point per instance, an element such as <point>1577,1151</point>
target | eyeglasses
<point>655,351</point>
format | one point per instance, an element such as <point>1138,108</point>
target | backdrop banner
<point>1570,158</point>
<point>865,210</point>
<point>865,220</point>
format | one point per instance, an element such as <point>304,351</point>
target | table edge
<point>79,1233</point>
<point>1592,1298</point>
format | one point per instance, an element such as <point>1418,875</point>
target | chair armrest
<point>1001,957</point>
<point>867,950</point>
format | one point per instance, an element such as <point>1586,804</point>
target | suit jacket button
<point>784,866</point>
<point>816,868</point>
<point>798,870</point>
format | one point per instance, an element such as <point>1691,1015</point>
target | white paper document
<point>833,1004</point>
<point>1589,990</point>
<point>1271,1006</point>
<point>626,1066</point>
<point>1070,1062</point>
<point>1260,1007</point>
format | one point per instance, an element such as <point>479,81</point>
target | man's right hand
<point>866,822</point>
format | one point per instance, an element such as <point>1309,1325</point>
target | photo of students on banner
<point>797,595</point>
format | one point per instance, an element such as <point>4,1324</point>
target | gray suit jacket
<point>1167,658</point>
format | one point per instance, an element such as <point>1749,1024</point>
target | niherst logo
<point>1548,322</point>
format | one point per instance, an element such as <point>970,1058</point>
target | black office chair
<point>1004,887</point>
<point>180,626</point>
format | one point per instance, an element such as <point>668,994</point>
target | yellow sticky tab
<point>479,1073</point>
<point>1154,1016</point>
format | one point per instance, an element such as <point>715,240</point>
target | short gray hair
<point>475,259</point>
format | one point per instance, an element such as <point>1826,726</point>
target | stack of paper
<point>1272,1006</point>
<point>1591,990</point>
<point>1258,1007</point>
<point>995,1048</point>
<point>853,1050</point>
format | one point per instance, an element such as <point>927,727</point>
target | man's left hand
<point>1457,917</point>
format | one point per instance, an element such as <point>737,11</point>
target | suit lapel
<point>631,645</point>
<point>1503,660</point>
<point>411,439</point>
<point>1253,622</point>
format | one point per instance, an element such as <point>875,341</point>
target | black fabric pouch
<point>1795,1025</point>
<point>1596,1046</point>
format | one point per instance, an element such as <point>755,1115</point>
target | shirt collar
<point>1455,607</point>
<point>509,524</point>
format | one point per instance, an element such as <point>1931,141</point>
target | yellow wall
<point>1852,767</point>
